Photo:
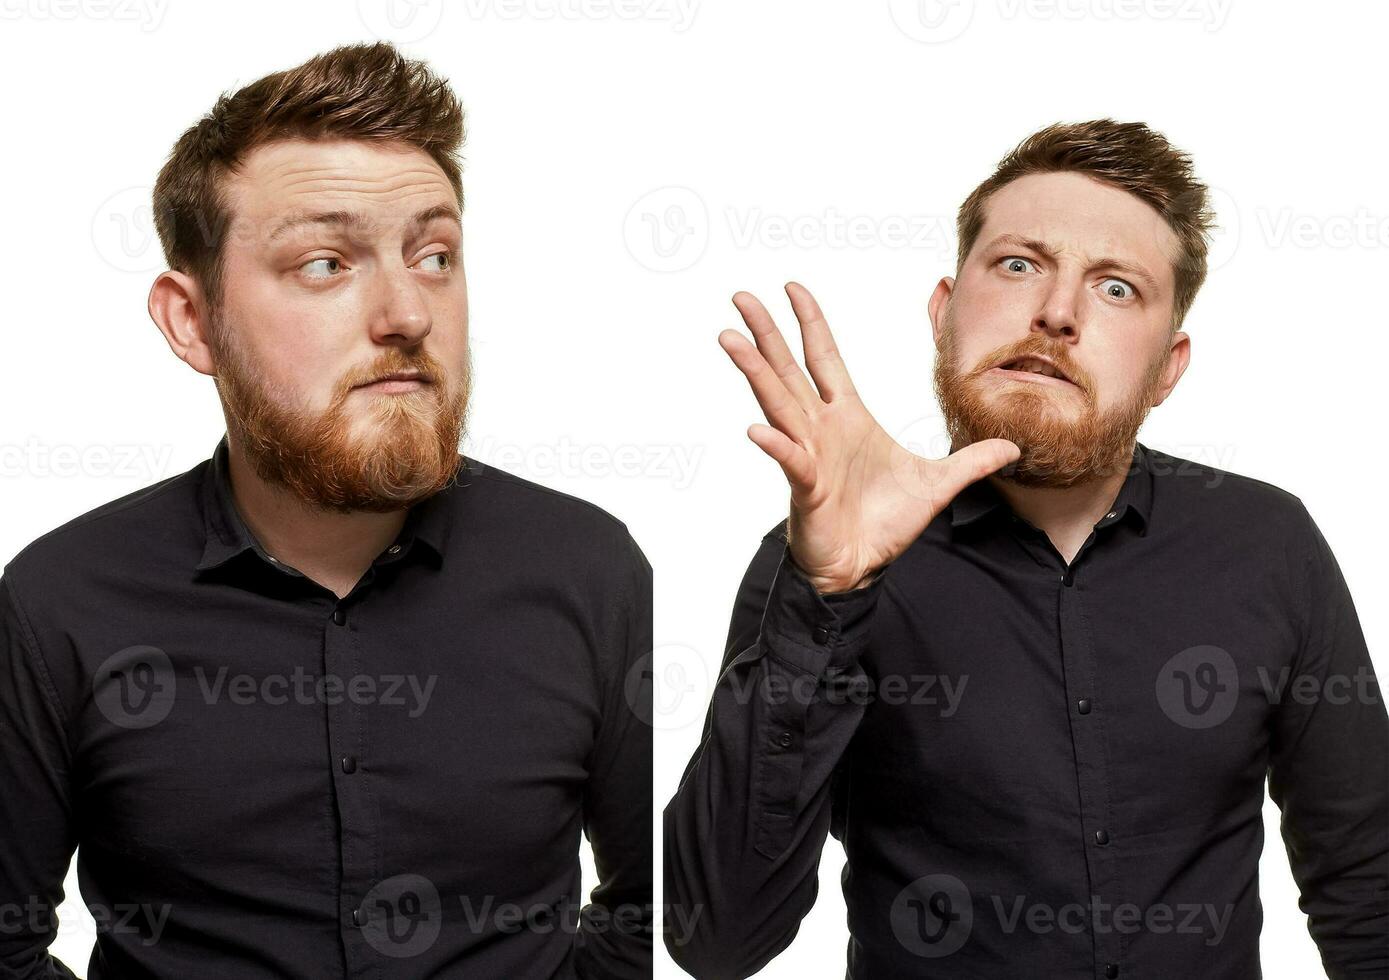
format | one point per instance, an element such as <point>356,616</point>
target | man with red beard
<point>1034,687</point>
<point>338,701</point>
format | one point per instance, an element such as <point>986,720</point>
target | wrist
<point>832,586</point>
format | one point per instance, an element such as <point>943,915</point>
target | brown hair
<point>358,91</point>
<point>1129,156</point>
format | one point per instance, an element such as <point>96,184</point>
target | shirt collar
<point>1135,496</point>
<point>226,534</point>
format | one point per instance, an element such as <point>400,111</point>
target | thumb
<point>973,462</point>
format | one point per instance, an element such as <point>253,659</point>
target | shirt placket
<point>1086,720</point>
<point>358,840</point>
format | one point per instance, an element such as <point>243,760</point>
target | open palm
<point>858,498</point>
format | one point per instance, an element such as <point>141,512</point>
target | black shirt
<point>1042,771</point>
<point>267,781</point>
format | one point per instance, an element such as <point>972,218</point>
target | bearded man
<point>339,701</point>
<point>1034,687</point>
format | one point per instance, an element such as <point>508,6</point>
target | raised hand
<point>858,498</point>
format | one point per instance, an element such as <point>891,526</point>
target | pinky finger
<point>794,461</point>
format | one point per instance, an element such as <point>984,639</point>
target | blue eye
<point>1016,258</point>
<point>336,266</point>
<point>1126,291</point>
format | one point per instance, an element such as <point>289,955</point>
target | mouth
<point>397,381</point>
<point>1033,368</point>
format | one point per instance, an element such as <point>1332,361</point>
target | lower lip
<point>1029,376</point>
<point>393,387</point>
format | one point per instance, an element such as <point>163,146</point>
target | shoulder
<point>1185,489</point>
<point>543,519</point>
<point>163,517</point>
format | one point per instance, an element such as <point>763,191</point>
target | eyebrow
<point>1105,262</point>
<point>355,220</point>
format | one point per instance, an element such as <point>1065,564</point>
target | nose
<point>1058,316</point>
<point>402,315</point>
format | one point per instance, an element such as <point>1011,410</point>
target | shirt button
<point>1083,706</point>
<point>1110,514</point>
<point>393,549</point>
<point>359,917</point>
<point>1102,837</point>
<point>339,616</point>
<point>1111,970</point>
<point>821,635</point>
<point>784,739</point>
<point>349,763</point>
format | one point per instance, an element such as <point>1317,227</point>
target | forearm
<point>744,832</point>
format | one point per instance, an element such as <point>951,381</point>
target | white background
<point>632,163</point>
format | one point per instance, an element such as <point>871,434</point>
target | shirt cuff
<point>815,631</point>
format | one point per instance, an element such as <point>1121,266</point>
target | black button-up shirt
<point>1041,771</point>
<point>268,781</point>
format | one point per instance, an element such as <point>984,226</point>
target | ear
<point>1177,359</point>
<point>936,306</point>
<point>178,309</point>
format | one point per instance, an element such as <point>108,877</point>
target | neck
<point>1066,514</point>
<point>333,548</point>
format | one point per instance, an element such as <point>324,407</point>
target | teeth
<point>1034,367</point>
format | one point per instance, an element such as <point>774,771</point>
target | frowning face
<point>1057,332</point>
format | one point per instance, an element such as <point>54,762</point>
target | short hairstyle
<point>1129,156</point>
<point>367,91</point>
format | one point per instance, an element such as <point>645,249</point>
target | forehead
<point>1084,218</point>
<point>385,182</point>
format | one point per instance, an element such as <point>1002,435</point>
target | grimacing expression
<point>1057,334</point>
<point>342,265</point>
